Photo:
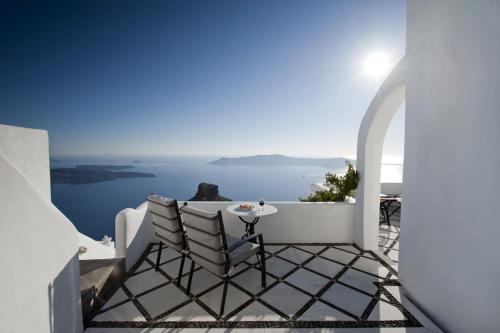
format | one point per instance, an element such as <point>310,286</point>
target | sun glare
<point>376,65</point>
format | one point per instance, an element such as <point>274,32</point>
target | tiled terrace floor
<point>388,239</point>
<point>309,286</point>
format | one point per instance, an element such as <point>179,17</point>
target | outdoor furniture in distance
<point>213,249</point>
<point>168,227</point>
<point>391,189</point>
<point>385,204</point>
<point>255,215</point>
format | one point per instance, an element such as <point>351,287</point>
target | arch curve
<point>372,130</point>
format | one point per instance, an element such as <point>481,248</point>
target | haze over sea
<point>93,207</point>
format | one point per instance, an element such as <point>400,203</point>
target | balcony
<point>310,285</point>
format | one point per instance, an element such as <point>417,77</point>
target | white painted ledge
<point>133,233</point>
<point>95,250</point>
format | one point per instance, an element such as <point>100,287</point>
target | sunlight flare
<point>376,65</point>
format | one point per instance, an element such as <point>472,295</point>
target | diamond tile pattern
<point>162,299</point>
<point>250,280</point>
<point>360,280</point>
<point>189,312</point>
<point>336,283</point>
<point>388,237</point>
<point>295,255</point>
<point>235,298</point>
<point>347,299</point>
<point>285,298</point>
<point>321,311</point>
<point>145,281</point>
<point>324,266</point>
<point>278,267</point>
<point>307,280</point>
<point>256,311</point>
<point>341,256</point>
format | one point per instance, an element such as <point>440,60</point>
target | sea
<point>92,207</point>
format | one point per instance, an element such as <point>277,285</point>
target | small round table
<point>254,215</point>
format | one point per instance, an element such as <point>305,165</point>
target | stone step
<point>99,279</point>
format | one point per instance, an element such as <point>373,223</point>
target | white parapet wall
<point>295,222</point>
<point>38,244</point>
<point>133,233</point>
<point>93,249</point>
<point>28,150</point>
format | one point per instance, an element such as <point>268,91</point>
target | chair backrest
<point>167,221</point>
<point>206,239</point>
<point>391,189</point>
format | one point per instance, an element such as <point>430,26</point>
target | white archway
<point>372,130</point>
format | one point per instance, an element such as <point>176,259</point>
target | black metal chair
<point>213,249</point>
<point>385,208</point>
<point>168,227</point>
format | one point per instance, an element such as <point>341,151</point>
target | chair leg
<point>191,271</point>
<point>388,213</point>
<point>179,276</point>
<point>388,216</point>
<point>258,260</point>
<point>224,294</point>
<point>263,268</point>
<point>383,210</point>
<point>158,257</point>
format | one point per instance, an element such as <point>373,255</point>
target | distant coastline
<point>106,167</point>
<point>283,160</point>
<point>87,174</point>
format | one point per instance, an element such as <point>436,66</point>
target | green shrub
<point>339,187</point>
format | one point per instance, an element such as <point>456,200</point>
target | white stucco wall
<point>40,274</point>
<point>294,222</point>
<point>449,251</point>
<point>28,149</point>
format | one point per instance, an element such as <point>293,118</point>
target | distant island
<point>86,174</point>
<point>282,160</point>
<point>107,167</point>
<point>136,161</point>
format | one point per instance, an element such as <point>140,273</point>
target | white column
<point>374,125</point>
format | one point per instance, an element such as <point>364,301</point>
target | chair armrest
<point>243,241</point>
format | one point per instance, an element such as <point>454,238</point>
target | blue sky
<point>196,77</point>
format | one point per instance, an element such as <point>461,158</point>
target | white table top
<point>256,212</point>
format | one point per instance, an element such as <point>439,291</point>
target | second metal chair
<point>212,249</point>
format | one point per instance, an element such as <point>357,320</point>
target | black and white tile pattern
<point>388,238</point>
<point>308,286</point>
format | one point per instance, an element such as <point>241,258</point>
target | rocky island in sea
<point>86,174</point>
<point>208,192</point>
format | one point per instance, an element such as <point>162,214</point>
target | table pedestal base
<point>249,227</point>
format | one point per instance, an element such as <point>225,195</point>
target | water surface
<point>93,207</point>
